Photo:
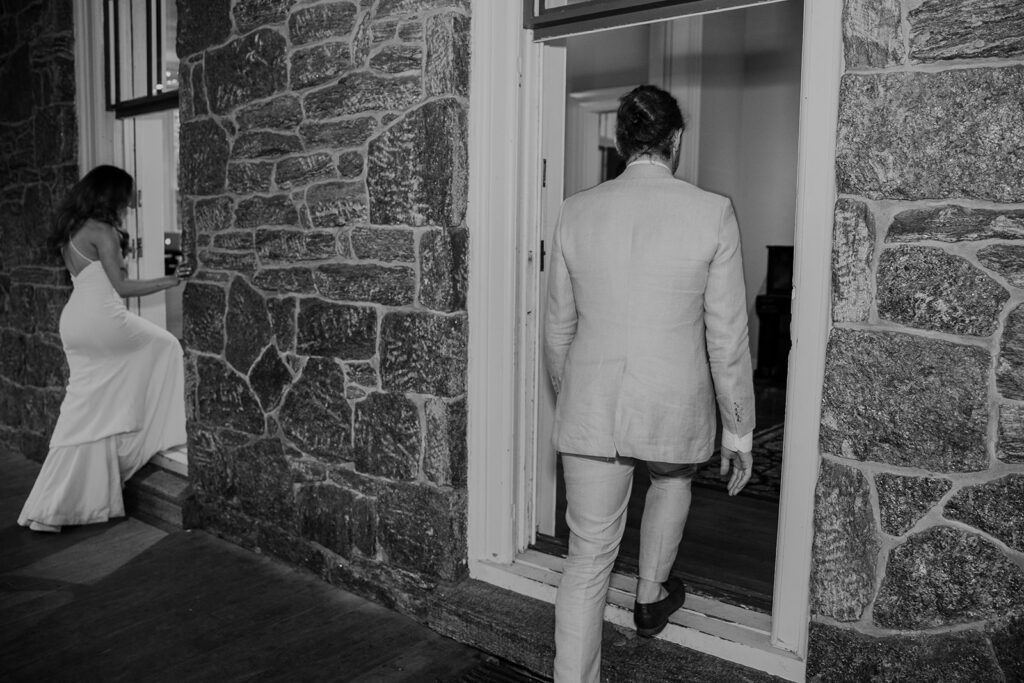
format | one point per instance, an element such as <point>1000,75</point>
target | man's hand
<point>742,463</point>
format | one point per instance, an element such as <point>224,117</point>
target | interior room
<point>736,75</point>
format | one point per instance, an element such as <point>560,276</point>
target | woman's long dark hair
<point>103,194</point>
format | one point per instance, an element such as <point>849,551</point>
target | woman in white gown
<point>125,394</point>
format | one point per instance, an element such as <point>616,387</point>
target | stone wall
<point>323,167</point>
<point>38,164</point>
<point>919,528</point>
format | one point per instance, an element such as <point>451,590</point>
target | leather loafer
<point>652,617</point>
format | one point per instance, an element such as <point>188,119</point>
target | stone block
<point>264,144</point>
<point>202,24</point>
<point>211,463</point>
<point>383,244</point>
<point>282,317</point>
<point>14,74</point>
<point>263,482</point>
<point>213,215</point>
<point>928,135</point>
<point>350,165</point>
<point>232,239</point>
<point>297,280</point>
<point>260,211</point>
<point>1010,364</point>
<point>387,285</point>
<point>1005,259</point>
<point>387,436</point>
<point>250,14</point>
<point>873,33</point>
<point>287,545</point>
<point>845,544</point>
<point>273,245</point>
<point>398,59</point>
<point>853,250</point>
<point>362,41</point>
<point>363,92</point>
<point>315,414</point>
<point>445,447</point>
<point>282,113</point>
<point>995,507</point>
<point>447,65</point>
<point>946,576</point>
<point>443,269</point>
<point>329,20</point>
<point>246,69</point>
<point>336,134</point>
<point>954,223</point>
<point>319,64</point>
<point>338,519</point>
<point>1007,638</point>
<point>224,399</point>
<point>423,353</point>
<point>302,170</point>
<point>903,500</point>
<point>926,288</point>
<point>247,178</point>
<point>1010,447</point>
<point>56,134</point>
<point>387,8</point>
<point>423,528</point>
<point>416,169</point>
<point>839,654</point>
<point>411,31</point>
<point>269,378</point>
<point>971,29</point>
<point>203,157</point>
<point>243,262</point>
<point>336,330</point>
<point>200,100</point>
<point>906,401</point>
<point>361,376</point>
<point>247,324</point>
<point>383,30</point>
<point>204,306</point>
<point>336,204</point>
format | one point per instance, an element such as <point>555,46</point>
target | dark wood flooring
<point>728,547</point>
<point>126,601</point>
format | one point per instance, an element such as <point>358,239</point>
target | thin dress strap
<point>79,251</point>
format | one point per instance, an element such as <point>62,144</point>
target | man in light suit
<point>646,327</point>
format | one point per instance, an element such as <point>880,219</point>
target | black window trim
<point>595,15</point>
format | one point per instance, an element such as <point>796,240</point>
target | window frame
<point>564,19</point>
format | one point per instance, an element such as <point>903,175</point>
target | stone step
<point>161,497</point>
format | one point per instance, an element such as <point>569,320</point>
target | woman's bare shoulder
<point>94,230</point>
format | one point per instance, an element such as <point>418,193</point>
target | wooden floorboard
<point>125,601</point>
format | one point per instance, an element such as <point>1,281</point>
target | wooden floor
<point>125,601</point>
<point>728,548</point>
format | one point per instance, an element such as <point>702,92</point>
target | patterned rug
<point>766,478</point>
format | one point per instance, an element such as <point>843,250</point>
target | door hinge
<point>542,255</point>
<point>544,173</point>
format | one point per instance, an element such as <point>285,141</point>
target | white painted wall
<point>749,125</point>
<point>750,99</point>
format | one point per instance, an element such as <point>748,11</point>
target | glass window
<point>141,59</point>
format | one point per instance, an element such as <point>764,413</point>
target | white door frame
<point>505,203</point>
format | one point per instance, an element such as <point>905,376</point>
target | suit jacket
<point>647,321</point>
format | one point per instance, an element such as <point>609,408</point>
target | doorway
<point>127,103</point>
<point>736,75</point>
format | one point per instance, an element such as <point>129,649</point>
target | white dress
<point>124,403</point>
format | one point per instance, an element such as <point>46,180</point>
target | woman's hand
<point>742,463</point>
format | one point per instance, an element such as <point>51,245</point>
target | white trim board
<point>504,116</point>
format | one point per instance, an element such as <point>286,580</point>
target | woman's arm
<point>109,250</point>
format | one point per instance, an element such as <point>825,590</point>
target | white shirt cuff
<point>735,443</point>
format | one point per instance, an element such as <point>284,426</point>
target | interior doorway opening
<point>737,77</point>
